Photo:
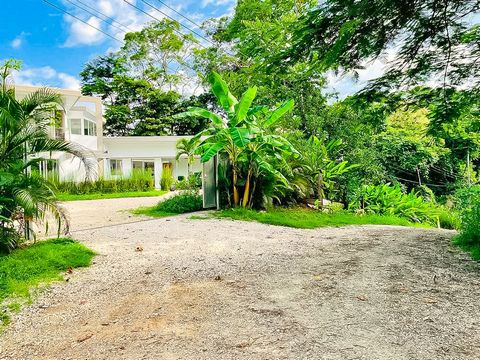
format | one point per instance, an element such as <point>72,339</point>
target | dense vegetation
<point>185,202</point>
<point>25,196</point>
<point>404,145</point>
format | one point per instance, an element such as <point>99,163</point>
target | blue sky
<point>54,46</point>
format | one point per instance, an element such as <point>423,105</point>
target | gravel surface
<point>178,288</point>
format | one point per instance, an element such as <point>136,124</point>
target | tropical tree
<point>319,168</point>
<point>186,147</point>
<point>241,131</point>
<point>26,196</point>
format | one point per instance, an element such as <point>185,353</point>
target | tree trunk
<point>236,198</point>
<point>320,190</point>
<point>246,193</point>
<point>252,193</point>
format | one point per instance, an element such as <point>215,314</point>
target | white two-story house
<point>81,121</point>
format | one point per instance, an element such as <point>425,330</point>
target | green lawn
<point>40,263</point>
<point>73,197</point>
<point>309,219</point>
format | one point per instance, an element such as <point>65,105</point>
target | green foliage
<point>469,238</point>
<point>185,202</point>
<point>468,204</point>
<point>115,195</point>
<point>442,41</point>
<point>40,263</point>
<point>166,180</point>
<point>25,196</point>
<point>137,84</point>
<point>245,138</point>
<point>310,219</point>
<point>193,182</point>
<point>138,181</point>
<point>392,201</point>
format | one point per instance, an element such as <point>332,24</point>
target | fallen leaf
<point>362,298</point>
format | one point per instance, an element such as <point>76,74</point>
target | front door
<point>209,183</point>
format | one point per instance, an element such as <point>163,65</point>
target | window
<point>89,128</point>
<point>115,167</point>
<point>76,126</point>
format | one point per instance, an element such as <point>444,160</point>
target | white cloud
<point>83,34</point>
<point>19,40</point>
<point>45,76</point>
<point>69,81</point>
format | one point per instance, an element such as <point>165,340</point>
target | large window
<point>116,167</point>
<point>89,128</point>
<point>76,126</point>
<point>85,127</point>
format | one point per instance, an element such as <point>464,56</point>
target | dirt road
<point>219,289</point>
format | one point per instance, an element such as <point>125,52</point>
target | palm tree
<point>186,147</point>
<point>240,133</point>
<point>25,196</point>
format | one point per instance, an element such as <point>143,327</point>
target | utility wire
<point>120,26</point>
<point>79,19</point>
<point>179,13</point>
<point>157,19</point>
<point>100,30</point>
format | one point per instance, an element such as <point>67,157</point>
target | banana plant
<point>239,132</point>
<point>321,169</point>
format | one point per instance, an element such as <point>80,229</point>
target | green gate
<point>209,184</point>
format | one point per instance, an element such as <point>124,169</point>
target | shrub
<point>182,203</point>
<point>166,181</point>
<point>468,204</point>
<point>139,180</point>
<point>193,182</point>
<point>391,200</point>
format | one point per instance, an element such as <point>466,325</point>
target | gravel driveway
<point>178,288</point>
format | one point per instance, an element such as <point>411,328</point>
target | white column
<point>106,169</point>
<point>126,167</point>
<point>158,167</point>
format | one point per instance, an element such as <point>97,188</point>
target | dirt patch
<point>218,289</point>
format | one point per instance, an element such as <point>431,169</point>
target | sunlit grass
<point>309,219</point>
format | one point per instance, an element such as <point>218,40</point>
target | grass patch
<point>179,204</point>
<point>96,196</point>
<point>40,263</point>
<point>310,219</point>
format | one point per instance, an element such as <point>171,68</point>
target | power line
<point>100,30</point>
<point>179,13</point>
<point>157,19</point>
<point>171,18</point>
<point>79,19</point>
<point>99,12</point>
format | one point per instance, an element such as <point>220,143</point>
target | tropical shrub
<point>391,200</point>
<point>243,134</point>
<point>166,180</point>
<point>184,202</point>
<point>468,205</point>
<point>194,181</point>
<point>25,196</point>
<point>139,180</point>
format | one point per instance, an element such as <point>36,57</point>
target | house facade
<point>80,121</point>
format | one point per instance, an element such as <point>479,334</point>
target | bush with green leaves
<point>468,205</point>
<point>139,180</point>
<point>166,180</point>
<point>391,200</point>
<point>188,201</point>
<point>194,181</point>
